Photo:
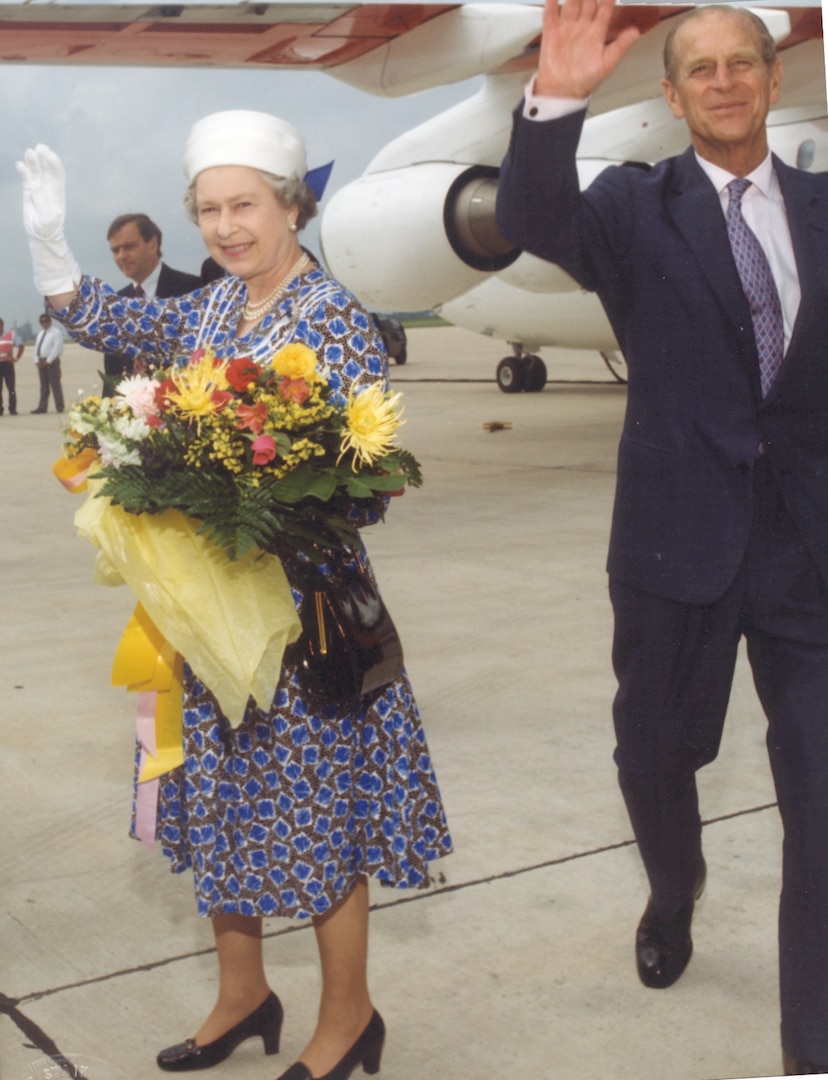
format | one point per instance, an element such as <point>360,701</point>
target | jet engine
<point>409,239</point>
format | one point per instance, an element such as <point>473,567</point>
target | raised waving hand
<point>574,55</point>
<point>43,180</point>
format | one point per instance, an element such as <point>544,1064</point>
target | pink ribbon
<point>146,796</point>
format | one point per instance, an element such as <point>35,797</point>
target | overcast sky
<point>121,133</point>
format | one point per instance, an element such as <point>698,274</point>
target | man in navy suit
<point>135,243</point>
<point>720,526</point>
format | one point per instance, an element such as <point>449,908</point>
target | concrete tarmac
<point>520,962</point>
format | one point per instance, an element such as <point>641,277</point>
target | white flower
<point>131,428</point>
<point>138,393</point>
<point>83,421</point>
<point>82,424</point>
<point>114,451</point>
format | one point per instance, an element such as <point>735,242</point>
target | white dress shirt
<point>150,284</point>
<point>49,344</point>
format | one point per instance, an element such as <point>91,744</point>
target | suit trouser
<point>674,664</point>
<point>7,376</point>
<point>50,380</point>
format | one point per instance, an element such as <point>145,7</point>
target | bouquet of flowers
<point>262,456</point>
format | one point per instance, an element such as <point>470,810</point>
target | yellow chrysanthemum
<point>372,417</point>
<point>296,361</point>
<point>198,387</point>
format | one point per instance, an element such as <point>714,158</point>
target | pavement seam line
<point>37,995</point>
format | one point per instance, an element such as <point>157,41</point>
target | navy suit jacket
<point>170,283</point>
<point>175,282</point>
<point>653,245</point>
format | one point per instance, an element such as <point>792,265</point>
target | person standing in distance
<point>135,243</point>
<point>48,351</point>
<point>713,270</point>
<point>11,349</point>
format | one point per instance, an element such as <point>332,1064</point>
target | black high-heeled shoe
<point>366,1051</point>
<point>265,1022</point>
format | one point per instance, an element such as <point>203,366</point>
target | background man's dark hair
<point>764,41</point>
<point>146,227</point>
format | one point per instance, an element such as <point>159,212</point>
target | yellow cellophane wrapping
<point>230,620</point>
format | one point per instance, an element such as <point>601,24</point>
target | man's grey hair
<point>764,40</point>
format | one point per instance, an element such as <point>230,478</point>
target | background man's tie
<point>758,285</point>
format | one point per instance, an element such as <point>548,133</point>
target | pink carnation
<point>138,392</point>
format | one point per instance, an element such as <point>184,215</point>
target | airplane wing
<point>417,230</point>
<point>389,49</point>
<point>385,48</point>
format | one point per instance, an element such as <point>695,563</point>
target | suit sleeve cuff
<point>536,107</point>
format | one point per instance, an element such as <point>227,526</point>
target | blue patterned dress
<point>281,814</point>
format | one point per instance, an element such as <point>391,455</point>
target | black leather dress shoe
<point>663,949</point>
<point>796,1067</point>
<point>266,1022</point>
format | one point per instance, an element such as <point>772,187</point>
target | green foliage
<point>301,510</point>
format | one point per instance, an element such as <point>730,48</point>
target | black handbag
<point>349,645</point>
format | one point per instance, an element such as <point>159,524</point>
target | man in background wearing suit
<point>713,270</point>
<point>135,243</point>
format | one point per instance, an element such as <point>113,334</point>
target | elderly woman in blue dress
<point>304,802</point>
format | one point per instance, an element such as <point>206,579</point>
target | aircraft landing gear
<point>516,373</point>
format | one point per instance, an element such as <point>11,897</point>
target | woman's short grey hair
<point>764,40</point>
<point>289,190</point>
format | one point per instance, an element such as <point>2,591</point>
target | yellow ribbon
<point>72,472</point>
<point>146,662</point>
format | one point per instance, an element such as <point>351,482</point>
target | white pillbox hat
<point>244,137</point>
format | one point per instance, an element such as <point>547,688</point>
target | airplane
<point>417,231</point>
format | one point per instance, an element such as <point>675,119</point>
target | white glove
<point>44,209</point>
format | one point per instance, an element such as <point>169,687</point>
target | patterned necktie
<point>138,290</point>
<point>758,285</point>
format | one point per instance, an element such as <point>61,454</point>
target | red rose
<point>162,393</point>
<point>264,449</point>
<point>241,373</point>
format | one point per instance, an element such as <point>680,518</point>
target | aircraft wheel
<point>509,375</point>
<point>534,374</point>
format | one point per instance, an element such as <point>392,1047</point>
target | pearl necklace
<point>255,312</point>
